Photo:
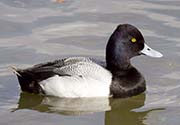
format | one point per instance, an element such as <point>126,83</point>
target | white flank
<point>75,86</point>
<point>87,80</point>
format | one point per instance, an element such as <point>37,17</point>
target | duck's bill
<point>150,52</point>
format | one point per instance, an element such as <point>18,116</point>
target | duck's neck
<point>116,57</point>
<point>117,64</point>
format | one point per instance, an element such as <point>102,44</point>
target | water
<point>41,30</point>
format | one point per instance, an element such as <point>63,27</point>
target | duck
<point>85,77</point>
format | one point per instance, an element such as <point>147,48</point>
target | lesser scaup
<point>82,77</point>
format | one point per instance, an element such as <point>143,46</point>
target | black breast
<point>127,83</point>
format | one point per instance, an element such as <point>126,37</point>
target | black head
<point>125,42</point>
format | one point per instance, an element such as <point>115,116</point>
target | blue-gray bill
<point>150,52</point>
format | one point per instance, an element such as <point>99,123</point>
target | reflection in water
<point>121,111</point>
<point>66,106</point>
<point>118,111</point>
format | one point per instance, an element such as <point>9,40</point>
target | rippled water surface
<point>34,31</point>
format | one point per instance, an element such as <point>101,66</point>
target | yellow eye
<point>133,40</point>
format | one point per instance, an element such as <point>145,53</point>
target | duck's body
<point>82,77</point>
<point>79,77</point>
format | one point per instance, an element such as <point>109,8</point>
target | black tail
<point>27,81</point>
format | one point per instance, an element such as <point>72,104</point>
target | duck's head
<point>126,42</point>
